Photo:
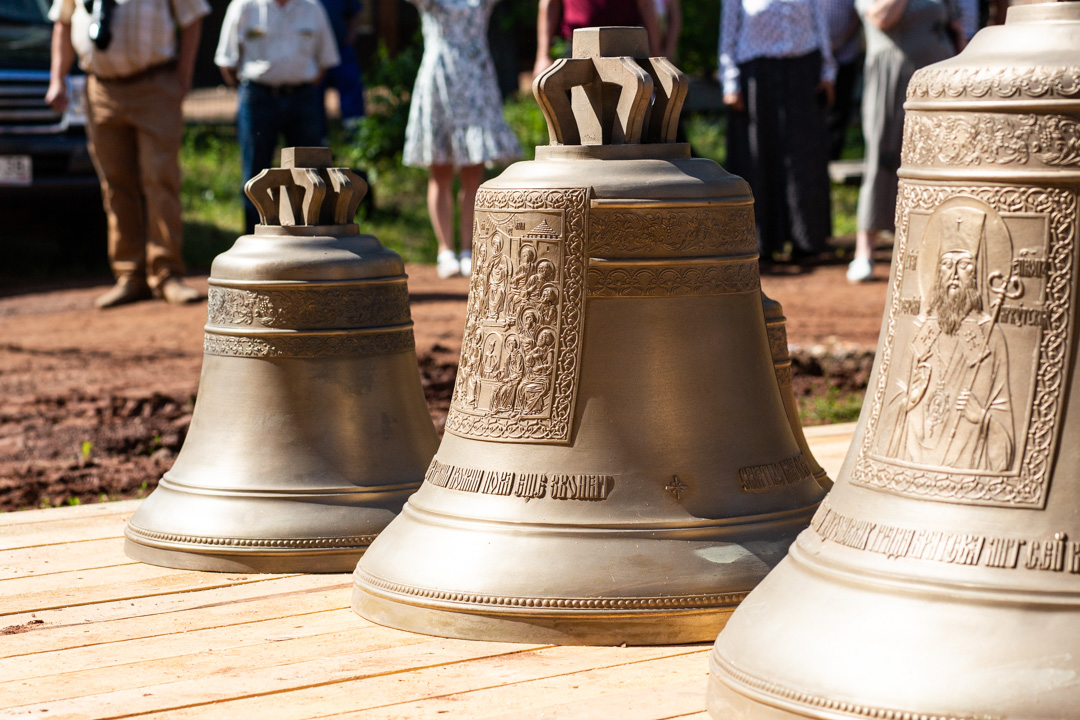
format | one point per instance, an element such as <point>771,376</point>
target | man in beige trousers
<point>139,64</point>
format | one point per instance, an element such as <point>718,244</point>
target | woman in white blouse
<point>777,72</point>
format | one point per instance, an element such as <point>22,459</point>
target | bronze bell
<point>310,428</point>
<point>617,464</point>
<point>940,578</point>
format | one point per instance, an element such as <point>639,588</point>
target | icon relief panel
<point>966,405</point>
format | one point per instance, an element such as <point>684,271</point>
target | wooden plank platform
<point>87,633</point>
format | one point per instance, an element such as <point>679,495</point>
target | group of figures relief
<point>511,337</point>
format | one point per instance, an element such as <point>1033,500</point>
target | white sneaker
<point>447,265</point>
<point>465,260</point>
<point>860,270</point>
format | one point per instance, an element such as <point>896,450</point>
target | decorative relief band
<point>664,232</point>
<point>995,447</point>
<point>993,139</point>
<point>522,485</point>
<point>310,345</point>
<point>675,602</point>
<point>520,355</point>
<point>783,374</point>
<point>769,688</point>
<point>1054,554</point>
<point>1001,82</point>
<point>762,478</point>
<point>671,280</point>
<point>350,542</point>
<point>778,344</point>
<point>311,307</point>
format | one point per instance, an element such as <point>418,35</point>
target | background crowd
<point>791,72</point>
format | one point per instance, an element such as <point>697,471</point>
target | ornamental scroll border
<point>1002,82</point>
<point>311,346</point>
<point>1028,488</point>
<point>310,307</point>
<point>556,429</point>
<point>992,138</point>
<point>719,230</point>
<point>722,278</point>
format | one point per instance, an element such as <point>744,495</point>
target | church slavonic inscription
<point>1051,554</point>
<point>762,478</point>
<point>523,485</point>
<point>966,403</point>
<point>519,363</point>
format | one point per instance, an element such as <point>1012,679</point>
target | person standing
<point>455,119</point>
<point>901,37</point>
<point>277,52</point>
<point>777,72</point>
<point>139,64</point>
<point>845,34</point>
<point>345,77</point>
<point>561,17</point>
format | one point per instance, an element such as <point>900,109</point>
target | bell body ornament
<point>617,464</point>
<point>310,428</point>
<point>940,578</point>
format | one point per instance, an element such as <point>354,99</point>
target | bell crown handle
<point>611,91</point>
<point>305,190</point>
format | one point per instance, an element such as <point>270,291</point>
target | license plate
<point>16,169</point>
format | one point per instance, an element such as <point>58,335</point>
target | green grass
<point>835,406</point>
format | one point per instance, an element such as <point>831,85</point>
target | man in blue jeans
<point>277,51</point>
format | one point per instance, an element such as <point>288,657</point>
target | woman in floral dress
<point>455,119</point>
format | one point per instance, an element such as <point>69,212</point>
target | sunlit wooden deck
<point>87,633</point>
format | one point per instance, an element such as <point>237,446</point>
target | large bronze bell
<point>617,464</point>
<point>940,578</point>
<point>310,428</point>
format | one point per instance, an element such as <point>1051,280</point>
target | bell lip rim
<point>285,494</point>
<point>464,602</point>
<point>816,563</point>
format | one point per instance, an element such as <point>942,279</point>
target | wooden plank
<point>271,596</point>
<point>64,514</point>
<point>207,694</point>
<point>95,527</point>
<point>571,680</point>
<point>418,682</point>
<point>656,698</point>
<point>146,662</point>
<point>34,594</point>
<point>51,559</point>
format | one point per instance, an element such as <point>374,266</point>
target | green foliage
<point>210,193</point>
<point>835,406</point>
<point>700,38</point>
<point>707,135</point>
<point>85,448</point>
<point>380,134</point>
<point>524,116</point>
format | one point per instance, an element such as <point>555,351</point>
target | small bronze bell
<point>617,464</point>
<point>310,428</point>
<point>940,578</point>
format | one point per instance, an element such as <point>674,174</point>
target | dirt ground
<point>95,404</point>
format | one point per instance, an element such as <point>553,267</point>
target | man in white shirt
<point>140,67</point>
<point>277,52</point>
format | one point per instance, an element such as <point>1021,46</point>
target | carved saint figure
<point>952,406</point>
<point>498,278</point>
<point>549,304</point>
<point>470,366</point>
<point>490,357</point>
<point>539,364</point>
<point>545,274</point>
<point>513,369</point>
<point>526,267</point>
<point>530,325</point>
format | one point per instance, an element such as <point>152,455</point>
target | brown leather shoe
<point>126,290</point>
<point>175,292</point>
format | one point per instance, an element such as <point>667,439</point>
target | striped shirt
<point>143,33</point>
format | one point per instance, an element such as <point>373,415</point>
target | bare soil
<point>95,404</point>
